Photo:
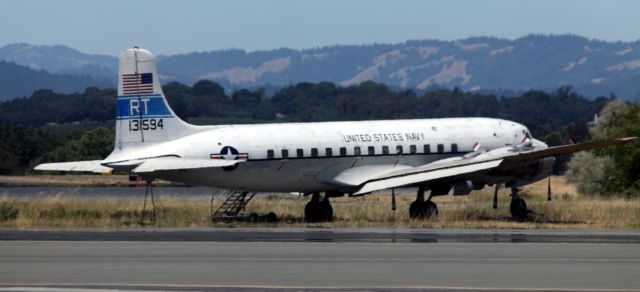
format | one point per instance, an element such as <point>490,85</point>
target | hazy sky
<point>170,27</point>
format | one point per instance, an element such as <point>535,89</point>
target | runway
<point>365,235</point>
<point>330,265</point>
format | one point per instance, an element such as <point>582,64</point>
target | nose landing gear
<point>518,206</point>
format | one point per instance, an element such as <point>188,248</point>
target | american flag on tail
<point>137,83</point>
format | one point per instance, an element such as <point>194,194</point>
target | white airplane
<point>453,155</point>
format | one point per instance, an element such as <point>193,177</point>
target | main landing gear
<point>420,208</point>
<point>318,210</point>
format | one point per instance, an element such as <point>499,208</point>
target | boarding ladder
<point>232,205</point>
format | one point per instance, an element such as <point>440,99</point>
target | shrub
<point>590,173</point>
<point>8,212</point>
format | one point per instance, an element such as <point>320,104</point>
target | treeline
<point>47,107</point>
<point>207,101</point>
<point>49,126</point>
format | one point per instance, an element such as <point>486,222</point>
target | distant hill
<point>61,59</point>
<point>17,80</point>
<point>593,68</point>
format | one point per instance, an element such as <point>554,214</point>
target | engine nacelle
<point>459,188</point>
<point>536,168</point>
<point>534,171</point>
<point>462,188</point>
<point>514,173</point>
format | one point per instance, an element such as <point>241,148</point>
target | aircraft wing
<point>425,173</point>
<point>457,166</point>
<point>176,163</point>
<point>565,149</point>
<point>79,166</point>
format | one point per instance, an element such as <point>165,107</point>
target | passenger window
<point>343,151</point>
<point>399,149</point>
<point>440,148</point>
<point>285,153</point>
<point>454,147</point>
<point>385,150</point>
<point>314,152</point>
<point>413,149</point>
<point>270,154</point>
<point>356,151</point>
<point>372,150</point>
<point>328,152</point>
<point>427,148</point>
<point>300,153</point>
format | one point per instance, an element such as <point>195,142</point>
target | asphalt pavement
<point>255,259</point>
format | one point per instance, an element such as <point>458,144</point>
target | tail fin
<point>143,114</point>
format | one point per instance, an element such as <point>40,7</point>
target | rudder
<point>143,115</point>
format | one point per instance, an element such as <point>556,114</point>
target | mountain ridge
<point>546,62</point>
<point>20,81</point>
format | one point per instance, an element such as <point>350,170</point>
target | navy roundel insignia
<point>230,153</point>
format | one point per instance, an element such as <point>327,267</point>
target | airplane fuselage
<point>305,157</point>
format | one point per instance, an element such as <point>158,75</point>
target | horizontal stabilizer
<point>80,166</point>
<point>175,163</point>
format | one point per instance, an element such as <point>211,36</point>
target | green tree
<point>18,145</point>
<point>590,173</point>
<point>94,144</point>
<point>621,170</point>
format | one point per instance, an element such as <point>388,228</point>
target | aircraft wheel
<point>423,210</point>
<point>415,210</point>
<point>311,211</point>
<point>430,209</point>
<point>326,211</point>
<point>253,217</point>
<point>271,217</point>
<point>518,209</point>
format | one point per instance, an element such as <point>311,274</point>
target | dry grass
<point>67,180</point>
<point>567,210</point>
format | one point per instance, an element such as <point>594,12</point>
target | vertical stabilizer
<point>143,114</point>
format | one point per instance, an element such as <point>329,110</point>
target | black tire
<point>311,212</point>
<point>423,210</point>
<point>272,218</point>
<point>430,209</point>
<point>253,217</point>
<point>326,211</point>
<point>518,208</point>
<point>415,210</point>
